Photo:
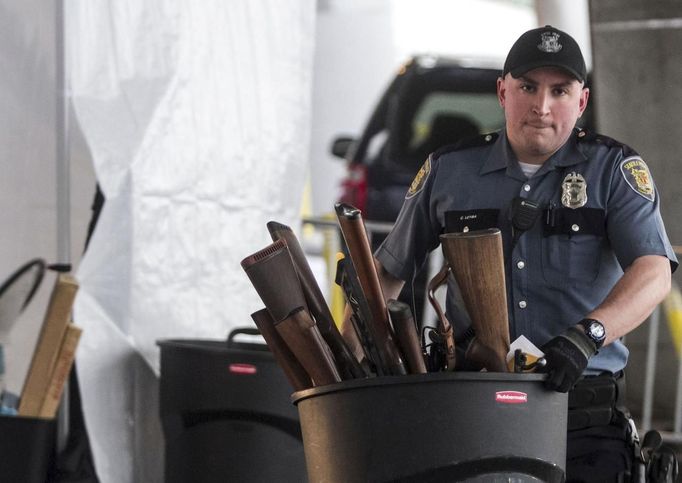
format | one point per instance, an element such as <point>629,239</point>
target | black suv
<point>432,102</point>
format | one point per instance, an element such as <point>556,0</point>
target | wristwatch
<point>594,330</point>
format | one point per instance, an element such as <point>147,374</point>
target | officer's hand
<point>566,356</point>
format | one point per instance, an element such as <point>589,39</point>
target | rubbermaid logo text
<point>241,368</point>
<point>511,397</point>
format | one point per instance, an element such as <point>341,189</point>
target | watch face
<point>597,330</point>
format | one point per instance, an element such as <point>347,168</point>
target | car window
<point>445,117</point>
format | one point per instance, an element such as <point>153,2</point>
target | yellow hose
<point>672,308</point>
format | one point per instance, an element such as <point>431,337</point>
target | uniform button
<point>526,187</point>
<point>465,229</point>
<point>575,228</point>
<point>488,138</point>
<point>520,264</point>
<point>522,304</point>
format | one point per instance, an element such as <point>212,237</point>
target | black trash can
<point>226,413</point>
<point>27,449</point>
<point>438,427</point>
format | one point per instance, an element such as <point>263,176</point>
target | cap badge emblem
<point>549,42</point>
<point>574,191</point>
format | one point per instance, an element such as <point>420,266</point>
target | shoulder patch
<point>420,179</point>
<point>637,175</point>
<point>471,142</point>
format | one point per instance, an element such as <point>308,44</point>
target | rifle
<point>353,230</point>
<point>295,373</point>
<point>273,275</point>
<point>347,279</point>
<point>477,262</point>
<point>406,334</point>
<point>348,365</point>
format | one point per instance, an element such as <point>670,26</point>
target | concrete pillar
<point>571,17</point>
<point>637,78</point>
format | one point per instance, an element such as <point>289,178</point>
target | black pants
<point>599,446</point>
<point>600,454</point>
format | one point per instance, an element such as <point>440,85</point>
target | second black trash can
<point>226,413</point>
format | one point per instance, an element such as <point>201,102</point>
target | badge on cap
<point>549,42</point>
<point>420,179</point>
<point>574,191</point>
<point>636,174</point>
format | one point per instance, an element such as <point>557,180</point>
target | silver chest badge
<point>550,42</point>
<point>574,191</point>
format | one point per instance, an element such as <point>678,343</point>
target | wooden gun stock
<point>274,277</point>
<point>272,274</point>
<point>477,262</point>
<point>406,334</point>
<point>348,365</point>
<point>353,230</point>
<point>303,338</point>
<point>293,370</point>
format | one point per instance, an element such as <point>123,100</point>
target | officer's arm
<point>643,285</point>
<point>390,285</point>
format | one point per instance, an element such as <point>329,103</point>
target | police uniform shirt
<point>598,211</point>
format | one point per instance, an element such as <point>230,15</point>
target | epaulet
<point>585,136</point>
<point>466,143</point>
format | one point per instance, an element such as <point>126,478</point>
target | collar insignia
<point>637,175</point>
<point>574,191</point>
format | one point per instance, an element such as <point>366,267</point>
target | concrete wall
<point>637,78</point>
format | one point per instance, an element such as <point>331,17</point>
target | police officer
<point>595,261</point>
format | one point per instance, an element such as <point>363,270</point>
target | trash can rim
<point>211,345</point>
<point>431,377</point>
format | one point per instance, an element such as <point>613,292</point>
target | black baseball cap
<point>545,47</point>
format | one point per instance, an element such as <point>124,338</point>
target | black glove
<point>663,467</point>
<point>567,356</point>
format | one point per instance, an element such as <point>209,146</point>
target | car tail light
<point>354,186</point>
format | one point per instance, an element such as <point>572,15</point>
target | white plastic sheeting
<point>197,115</point>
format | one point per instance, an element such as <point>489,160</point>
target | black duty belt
<point>593,401</point>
